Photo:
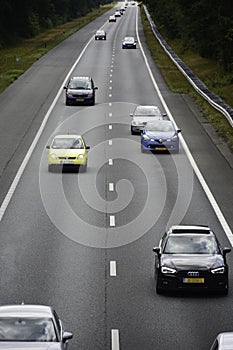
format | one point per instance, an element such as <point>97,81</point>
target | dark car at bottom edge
<point>191,258</point>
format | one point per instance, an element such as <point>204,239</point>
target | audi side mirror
<point>226,250</point>
<point>156,250</point>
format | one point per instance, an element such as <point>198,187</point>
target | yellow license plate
<point>193,280</point>
<point>160,148</point>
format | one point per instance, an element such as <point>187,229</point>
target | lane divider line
<point>110,127</point>
<point>111,186</point>
<point>113,272</point>
<point>115,339</point>
<point>112,221</point>
<point>110,142</point>
<point>110,161</point>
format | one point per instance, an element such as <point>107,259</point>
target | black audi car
<point>80,90</point>
<point>191,258</point>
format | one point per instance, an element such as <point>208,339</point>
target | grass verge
<point>208,71</point>
<point>17,59</point>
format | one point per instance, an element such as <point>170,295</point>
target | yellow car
<point>67,150</point>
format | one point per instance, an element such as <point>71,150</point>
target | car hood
<point>79,91</point>
<point>67,152</point>
<point>160,135</point>
<point>187,262</point>
<point>144,120</point>
<point>29,345</point>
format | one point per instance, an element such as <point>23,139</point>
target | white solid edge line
<point>23,165</point>
<point>198,173</point>
<point>115,339</point>
<point>113,268</point>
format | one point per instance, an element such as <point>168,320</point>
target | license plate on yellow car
<point>193,280</point>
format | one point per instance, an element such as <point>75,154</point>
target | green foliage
<point>203,25</point>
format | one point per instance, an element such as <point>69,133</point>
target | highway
<point>83,242</point>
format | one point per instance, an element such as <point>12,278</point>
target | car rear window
<point>27,329</point>
<point>191,244</point>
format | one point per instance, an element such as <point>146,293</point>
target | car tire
<point>51,168</point>
<point>159,290</point>
<point>142,150</point>
<point>67,102</point>
<point>92,102</point>
<point>133,132</point>
<point>83,168</point>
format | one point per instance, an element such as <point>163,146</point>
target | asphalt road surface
<point>83,242</point>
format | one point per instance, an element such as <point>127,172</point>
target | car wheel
<point>67,102</point>
<point>132,132</point>
<point>51,168</point>
<point>92,102</point>
<point>83,168</point>
<point>159,290</point>
<point>142,150</point>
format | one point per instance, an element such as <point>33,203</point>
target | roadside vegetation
<point>209,71</point>
<point>17,58</point>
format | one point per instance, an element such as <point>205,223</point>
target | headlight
<point>53,156</point>
<point>81,156</point>
<point>166,270</point>
<point>174,138</point>
<point>146,138</point>
<point>90,93</point>
<point>218,270</point>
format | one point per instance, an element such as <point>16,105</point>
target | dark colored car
<point>160,135</point>
<point>100,35</point>
<point>129,43</point>
<point>31,327</point>
<point>191,258</point>
<point>80,90</point>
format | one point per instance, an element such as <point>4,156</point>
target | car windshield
<point>27,329</point>
<point>67,143</point>
<point>80,85</point>
<point>191,244</point>
<point>160,127</point>
<point>148,111</point>
<point>129,39</point>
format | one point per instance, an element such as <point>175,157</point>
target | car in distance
<point>117,14</point>
<point>32,327</point>
<point>191,258</point>
<point>129,43</point>
<point>100,35</point>
<point>141,115</point>
<point>67,150</point>
<point>223,341</point>
<point>80,90</point>
<point>112,18</point>
<point>160,135</point>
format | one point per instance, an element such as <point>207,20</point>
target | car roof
<point>189,229</point>
<point>25,311</point>
<point>100,31</point>
<point>225,340</point>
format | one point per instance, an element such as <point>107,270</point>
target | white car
<point>141,115</point>
<point>224,341</point>
<point>31,327</point>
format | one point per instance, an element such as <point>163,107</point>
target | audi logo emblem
<point>193,273</point>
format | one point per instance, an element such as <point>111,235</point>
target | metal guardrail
<point>197,84</point>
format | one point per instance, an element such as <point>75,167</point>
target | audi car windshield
<point>191,244</point>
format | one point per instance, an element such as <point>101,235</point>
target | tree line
<point>27,18</point>
<point>204,25</point>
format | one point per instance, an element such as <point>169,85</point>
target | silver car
<point>143,114</point>
<point>224,341</point>
<point>31,327</point>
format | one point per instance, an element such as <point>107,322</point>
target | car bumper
<point>212,283</point>
<point>75,100</point>
<point>61,162</point>
<point>157,146</point>
<point>128,46</point>
<point>100,38</point>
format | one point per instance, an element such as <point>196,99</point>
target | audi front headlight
<point>167,270</point>
<point>220,270</point>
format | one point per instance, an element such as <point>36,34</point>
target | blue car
<point>160,135</point>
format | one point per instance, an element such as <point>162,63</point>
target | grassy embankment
<point>17,59</point>
<point>208,71</point>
